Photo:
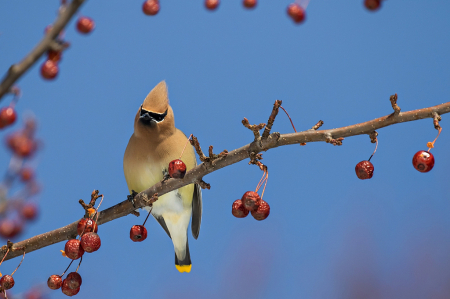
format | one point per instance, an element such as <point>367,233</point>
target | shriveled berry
<point>138,233</point>
<point>10,228</point>
<point>238,210</point>
<point>85,25</point>
<point>251,200</point>
<point>29,211</point>
<point>49,70</point>
<point>54,282</point>
<point>26,174</point>
<point>73,249</point>
<point>364,170</point>
<point>67,290</point>
<point>249,3</point>
<point>7,282</point>
<point>7,116</point>
<point>73,280</point>
<point>90,242</point>
<point>21,144</point>
<point>262,212</point>
<point>372,4</point>
<point>86,225</point>
<point>423,161</point>
<point>150,7</point>
<point>212,4</point>
<point>177,169</point>
<point>296,12</point>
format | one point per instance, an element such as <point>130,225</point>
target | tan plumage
<point>150,149</point>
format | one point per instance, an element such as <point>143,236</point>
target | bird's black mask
<point>151,118</point>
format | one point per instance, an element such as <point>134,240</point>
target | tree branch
<point>47,42</point>
<point>197,173</point>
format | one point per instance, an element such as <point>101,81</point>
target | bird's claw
<point>131,197</point>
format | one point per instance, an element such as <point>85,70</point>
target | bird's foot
<point>166,176</point>
<point>131,197</point>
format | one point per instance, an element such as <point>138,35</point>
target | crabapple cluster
<point>89,241</point>
<point>252,203</point>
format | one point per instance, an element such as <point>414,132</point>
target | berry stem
<point>185,146</point>
<point>289,118</point>
<point>19,264</point>
<point>431,144</point>
<point>67,268</point>
<point>4,256</point>
<point>81,259</point>
<point>261,181</point>
<point>96,210</point>
<point>147,216</point>
<point>376,145</point>
<point>265,184</point>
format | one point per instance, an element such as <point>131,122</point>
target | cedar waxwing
<point>154,143</point>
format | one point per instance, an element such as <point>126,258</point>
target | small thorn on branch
<point>436,119</point>
<point>393,100</point>
<point>337,141</point>
<point>272,116</point>
<point>373,136</point>
<point>203,184</point>
<point>254,128</point>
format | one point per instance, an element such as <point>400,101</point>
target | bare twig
<point>194,175</point>
<point>46,43</point>
<point>272,116</point>
<point>318,125</point>
<point>393,100</point>
<point>254,128</point>
<point>88,207</point>
<point>203,184</point>
<point>198,149</point>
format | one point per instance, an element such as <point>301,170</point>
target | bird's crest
<point>157,99</point>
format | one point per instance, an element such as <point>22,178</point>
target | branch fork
<point>212,157</point>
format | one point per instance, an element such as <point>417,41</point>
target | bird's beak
<point>151,118</point>
<point>146,117</point>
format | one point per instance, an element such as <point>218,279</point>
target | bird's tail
<point>184,265</point>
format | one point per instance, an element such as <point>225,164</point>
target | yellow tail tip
<point>184,268</point>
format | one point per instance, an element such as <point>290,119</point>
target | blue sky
<point>329,235</point>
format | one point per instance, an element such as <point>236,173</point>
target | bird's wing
<point>196,211</point>
<point>161,221</point>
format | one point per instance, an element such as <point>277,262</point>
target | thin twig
<point>254,128</point>
<point>393,100</point>
<point>46,43</point>
<point>272,116</point>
